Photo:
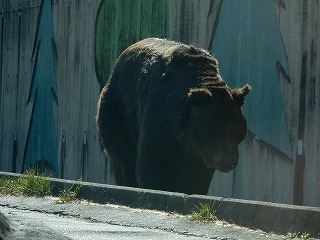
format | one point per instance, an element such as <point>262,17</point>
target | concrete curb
<point>269,217</point>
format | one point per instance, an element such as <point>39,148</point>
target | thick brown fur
<point>167,119</point>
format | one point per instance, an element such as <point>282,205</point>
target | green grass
<point>36,184</point>
<point>33,184</point>
<point>204,212</point>
<point>69,194</point>
<point>296,236</point>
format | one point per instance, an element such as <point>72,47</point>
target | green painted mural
<point>121,23</point>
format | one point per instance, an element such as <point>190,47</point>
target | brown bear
<point>166,118</point>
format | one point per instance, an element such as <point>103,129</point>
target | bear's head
<point>216,125</point>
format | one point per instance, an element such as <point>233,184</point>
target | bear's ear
<point>200,96</point>
<point>239,94</point>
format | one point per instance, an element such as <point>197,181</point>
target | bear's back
<point>157,65</point>
<point>172,58</point>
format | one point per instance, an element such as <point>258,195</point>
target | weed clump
<point>205,212</point>
<point>69,194</point>
<point>32,184</point>
<point>298,235</point>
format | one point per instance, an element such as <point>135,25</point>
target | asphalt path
<point>43,218</point>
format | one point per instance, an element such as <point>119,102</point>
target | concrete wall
<point>268,169</point>
<point>49,89</point>
<point>55,56</point>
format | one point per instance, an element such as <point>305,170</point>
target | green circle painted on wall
<point>121,23</point>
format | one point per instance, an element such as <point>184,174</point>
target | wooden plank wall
<point>264,172</point>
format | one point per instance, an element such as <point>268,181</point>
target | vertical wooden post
<point>1,54</point>
<point>63,153</point>
<point>84,155</point>
<point>300,158</point>
<point>14,151</point>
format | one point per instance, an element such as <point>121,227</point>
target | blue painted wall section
<point>41,142</point>
<point>249,47</point>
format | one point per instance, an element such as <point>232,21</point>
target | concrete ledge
<point>269,217</point>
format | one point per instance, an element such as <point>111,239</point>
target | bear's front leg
<point>156,163</point>
<point>163,164</point>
